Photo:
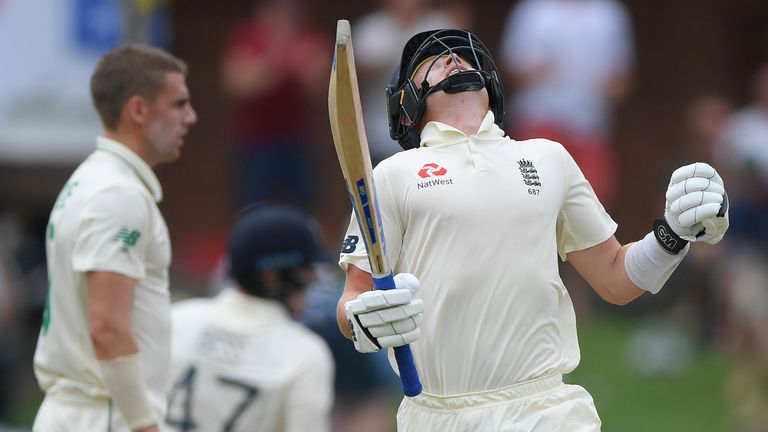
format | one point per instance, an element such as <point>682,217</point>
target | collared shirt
<point>480,220</point>
<point>105,219</point>
<point>244,351</point>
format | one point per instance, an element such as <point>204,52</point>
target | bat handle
<point>409,376</point>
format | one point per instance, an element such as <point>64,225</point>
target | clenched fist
<point>697,204</point>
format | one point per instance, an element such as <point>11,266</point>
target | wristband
<point>667,238</point>
<point>123,378</point>
<point>649,265</point>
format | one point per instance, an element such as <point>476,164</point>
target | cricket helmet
<point>406,99</point>
<point>273,238</point>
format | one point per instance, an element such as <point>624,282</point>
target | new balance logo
<point>128,237</point>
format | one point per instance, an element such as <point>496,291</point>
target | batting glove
<point>697,204</point>
<point>386,318</point>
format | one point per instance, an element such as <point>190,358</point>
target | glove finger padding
<point>399,339</point>
<point>386,318</point>
<point>392,314</point>
<point>697,169</point>
<point>696,184</point>
<point>698,214</point>
<point>375,300</point>
<point>695,199</point>
<point>396,327</point>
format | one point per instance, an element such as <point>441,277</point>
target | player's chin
<point>173,153</point>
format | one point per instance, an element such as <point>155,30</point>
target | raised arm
<point>603,267</point>
<point>696,210</point>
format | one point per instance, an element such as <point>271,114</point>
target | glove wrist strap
<point>668,240</point>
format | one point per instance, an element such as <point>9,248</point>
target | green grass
<point>690,401</point>
<point>693,399</point>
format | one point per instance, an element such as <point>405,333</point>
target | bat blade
<point>354,158</point>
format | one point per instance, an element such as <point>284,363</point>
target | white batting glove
<point>386,318</point>
<point>697,205</point>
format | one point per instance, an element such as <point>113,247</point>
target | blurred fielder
<point>239,361</point>
<point>103,351</point>
<point>474,221</point>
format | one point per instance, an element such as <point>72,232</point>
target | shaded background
<point>684,49</point>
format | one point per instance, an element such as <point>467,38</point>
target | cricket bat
<point>354,157</point>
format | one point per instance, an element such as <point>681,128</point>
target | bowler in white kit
<point>474,222</point>
<point>103,351</point>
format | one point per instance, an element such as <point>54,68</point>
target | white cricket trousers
<point>70,411</point>
<point>539,405</point>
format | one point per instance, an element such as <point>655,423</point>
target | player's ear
<point>136,110</point>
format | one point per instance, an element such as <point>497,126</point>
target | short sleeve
<point>582,221</point>
<point>353,249</point>
<point>114,232</point>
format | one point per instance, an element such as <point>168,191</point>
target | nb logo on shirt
<point>432,170</point>
<point>128,237</point>
<point>350,244</point>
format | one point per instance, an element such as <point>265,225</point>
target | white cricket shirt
<point>242,361</point>
<point>105,219</point>
<point>480,221</point>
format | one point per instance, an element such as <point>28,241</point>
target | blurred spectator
<point>570,62</point>
<point>379,37</point>
<point>459,12</point>
<point>275,69</point>
<point>706,118</point>
<point>742,150</point>
<point>699,295</point>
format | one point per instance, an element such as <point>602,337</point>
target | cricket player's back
<point>240,362</point>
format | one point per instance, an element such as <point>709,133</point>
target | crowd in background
<point>567,65</point>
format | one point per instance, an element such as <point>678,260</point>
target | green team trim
<point>128,237</point>
<point>47,311</point>
<point>65,193</point>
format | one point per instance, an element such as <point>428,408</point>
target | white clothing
<point>63,411</point>
<point>105,219</point>
<point>585,44</point>
<point>242,360</point>
<point>744,140</point>
<point>541,405</point>
<point>479,220</point>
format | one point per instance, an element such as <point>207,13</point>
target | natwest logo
<point>432,170</point>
